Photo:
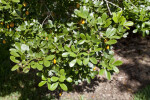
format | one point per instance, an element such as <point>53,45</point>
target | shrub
<point>65,41</point>
<point>138,12</point>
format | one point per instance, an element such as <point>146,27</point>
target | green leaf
<point>86,61</point>
<point>115,19</point>
<point>97,49</point>
<point>69,79</point>
<point>18,46</point>
<point>49,86</point>
<point>72,63</point>
<point>81,41</point>
<point>111,42</point>
<point>26,69</point>
<point>104,17</point>
<point>44,78</point>
<point>39,67</point>
<point>15,67</point>
<point>50,24</point>
<point>15,54</point>
<point>15,13</point>
<point>62,72</point>
<point>100,21</point>
<point>51,57</point>
<point>67,48</point>
<point>101,72</point>
<point>63,86</point>
<point>93,60</point>
<point>42,83</point>
<point>103,64</point>
<point>53,86</point>
<point>88,79</point>
<point>54,79</point>
<point>3,1</point>
<point>24,47</point>
<point>46,63</point>
<point>49,80</point>
<point>117,63</point>
<point>62,78</point>
<point>73,48</point>
<point>108,75</point>
<point>65,54</point>
<point>14,59</point>
<point>83,36</point>
<point>16,1</point>
<point>110,32</point>
<point>33,65</point>
<point>116,69</point>
<point>129,23</point>
<point>90,65</point>
<point>79,61</point>
<point>72,54</point>
<point>111,60</point>
<point>135,30</point>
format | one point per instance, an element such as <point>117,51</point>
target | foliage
<point>138,12</point>
<point>65,41</point>
<point>143,94</point>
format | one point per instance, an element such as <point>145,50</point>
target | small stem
<point>114,4</point>
<point>44,20</point>
<point>108,7</point>
<point>132,4</point>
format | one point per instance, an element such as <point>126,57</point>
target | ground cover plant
<point>143,94</point>
<point>65,42</point>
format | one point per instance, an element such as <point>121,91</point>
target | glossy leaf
<point>79,61</point>
<point>42,83</point>
<point>63,86</point>
<point>111,42</point>
<point>102,71</point>
<point>72,63</point>
<point>93,60</point>
<point>53,86</point>
<point>69,79</point>
<point>117,63</point>
<point>15,67</point>
<point>14,59</point>
<point>46,63</point>
<point>86,61</point>
<point>54,79</point>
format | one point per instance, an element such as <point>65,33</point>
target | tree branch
<point>108,7</point>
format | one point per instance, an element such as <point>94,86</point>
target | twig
<point>108,7</point>
<point>114,4</point>
<point>132,4</point>
<point>49,12</point>
<point>45,20</point>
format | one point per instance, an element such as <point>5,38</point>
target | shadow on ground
<point>135,53</point>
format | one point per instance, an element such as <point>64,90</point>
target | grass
<point>143,94</point>
<point>18,86</point>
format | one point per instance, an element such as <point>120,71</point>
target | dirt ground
<point>134,74</point>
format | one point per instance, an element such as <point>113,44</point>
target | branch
<point>108,7</point>
<point>49,12</point>
<point>132,4</point>
<point>45,20</point>
<point>114,4</point>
